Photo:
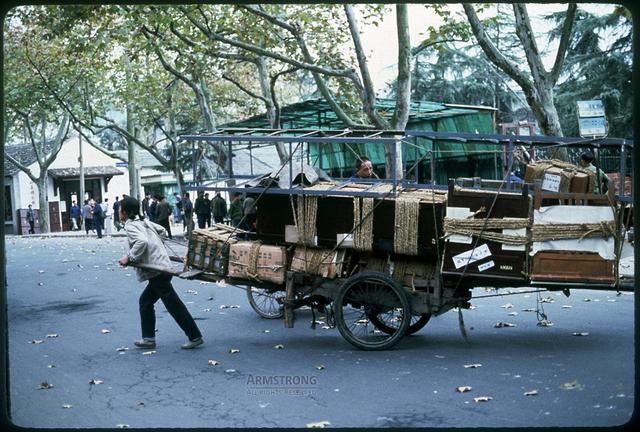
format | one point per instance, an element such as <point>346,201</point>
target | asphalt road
<point>70,308</point>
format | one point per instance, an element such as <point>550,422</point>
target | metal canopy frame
<point>231,135</point>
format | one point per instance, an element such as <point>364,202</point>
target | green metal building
<point>453,158</point>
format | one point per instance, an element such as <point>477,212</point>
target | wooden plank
<point>190,274</point>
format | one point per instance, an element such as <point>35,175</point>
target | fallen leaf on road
<point>266,331</point>
<point>234,351</point>
<point>67,406</point>
<point>581,333</point>
<point>36,341</point>
<point>570,385</point>
<point>51,366</point>
<point>95,381</point>
<point>122,349</point>
<point>190,291</point>
<point>105,331</point>
<point>45,386</point>
<point>320,424</point>
<point>504,324</point>
<point>279,346</point>
<point>122,426</point>
<point>513,313</point>
<point>230,371</point>
<point>221,283</point>
<point>482,399</point>
<point>149,352</point>
<point>206,310</point>
<point>213,363</point>
<point>320,367</point>
<point>52,335</point>
<point>528,310</point>
<point>566,306</point>
<point>224,306</point>
<point>40,283</point>
<point>472,366</point>
<point>531,393</point>
<point>507,306</point>
<point>40,271</point>
<point>545,323</point>
<point>547,300</point>
<point>463,389</point>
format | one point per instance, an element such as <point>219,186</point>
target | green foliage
<point>598,66</point>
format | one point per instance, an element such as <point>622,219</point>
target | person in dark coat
<point>163,210</point>
<point>87,216</point>
<point>219,208</point>
<point>207,208</point>
<point>187,205</point>
<point>98,218</point>
<point>116,215</point>
<point>152,208</point>
<point>236,212</point>
<point>145,205</point>
<point>75,216</point>
<point>200,207</point>
<point>31,218</point>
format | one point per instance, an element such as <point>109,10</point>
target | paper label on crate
<point>459,238</point>
<point>344,240</point>
<point>520,232</point>
<point>471,256</point>
<point>459,212</point>
<point>484,266</point>
<point>551,182</point>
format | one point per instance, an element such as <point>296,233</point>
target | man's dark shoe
<point>145,343</point>
<point>193,343</point>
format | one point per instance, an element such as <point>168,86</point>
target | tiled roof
<point>23,153</point>
<point>100,171</point>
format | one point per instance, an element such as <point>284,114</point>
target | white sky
<point>381,43</point>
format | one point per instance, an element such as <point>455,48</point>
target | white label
<point>551,182</point>
<point>484,266</point>
<point>520,232</point>
<point>471,256</point>
<point>459,212</point>
<point>459,238</point>
<point>344,240</point>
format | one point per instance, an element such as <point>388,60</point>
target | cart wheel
<point>267,304</point>
<point>389,324</point>
<point>369,294</point>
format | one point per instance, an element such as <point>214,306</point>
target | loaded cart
<point>380,257</point>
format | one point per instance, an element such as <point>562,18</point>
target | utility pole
<point>81,196</point>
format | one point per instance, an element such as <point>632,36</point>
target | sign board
<point>590,108</point>
<point>591,119</point>
<point>122,164</point>
<point>551,182</point>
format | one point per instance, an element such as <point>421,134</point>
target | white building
<point>104,178</point>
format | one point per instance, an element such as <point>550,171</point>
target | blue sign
<point>122,164</point>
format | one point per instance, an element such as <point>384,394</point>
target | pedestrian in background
<point>219,208</point>
<point>177,209</point>
<point>200,207</point>
<point>187,220</point>
<point>249,213</point>
<point>31,218</point>
<point>153,205</point>
<point>207,209</point>
<point>145,205</point>
<point>235,210</point>
<point>108,217</point>
<point>146,247</point>
<point>98,218</point>
<point>163,210</point>
<point>75,216</point>
<point>87,217</point>
<point>116,214</point>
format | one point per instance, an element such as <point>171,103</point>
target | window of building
<point>8,207</point>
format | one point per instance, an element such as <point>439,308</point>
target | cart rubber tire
<point>369,293</point>
<point>265,303</point>
<point>414,326</point>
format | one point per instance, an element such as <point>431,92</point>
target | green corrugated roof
<point>317,114</point>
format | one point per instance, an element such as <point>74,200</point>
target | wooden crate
<point>208,249</point>
<point>570,266</point>
<point>489,259</point>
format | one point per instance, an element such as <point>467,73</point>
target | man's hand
<point>124,261</point>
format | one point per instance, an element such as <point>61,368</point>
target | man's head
<point>364,167</point>
<point>586,158</point>
<point>206,195</point>
<point>29,206</point>
<point>129,207</point>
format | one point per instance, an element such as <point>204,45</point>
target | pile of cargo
<point>559,176</point>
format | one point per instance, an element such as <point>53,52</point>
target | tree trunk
<point>272,114</point>
<point>43,202</point>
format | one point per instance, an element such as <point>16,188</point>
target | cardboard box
<point>269,265</point>
<point>321,262</point>
<point>579,183</point>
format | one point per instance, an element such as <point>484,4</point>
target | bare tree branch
<point>244,89</point>
<point>567,29</point>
